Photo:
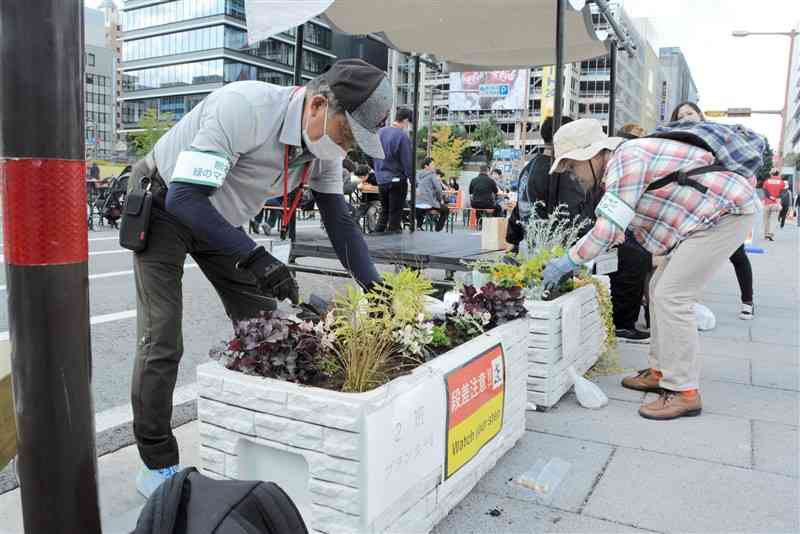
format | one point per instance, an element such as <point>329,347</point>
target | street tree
<point>766,167</point>
<point>489,137</point>
<point>152,128</point>
<point>447,150</point>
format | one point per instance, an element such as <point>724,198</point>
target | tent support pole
<point>298,81</point>
<point>558,103</point>
<point>414,134</point>
<point>612,98</point>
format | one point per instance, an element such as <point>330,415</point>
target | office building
<point>677,85</point>
<point>176,52</point>
<point>637,74</point>
<point>452,98</point>
<point>792,133</point>
<point>99,89</point>
<point>113,40</point>
<point>587,89</point>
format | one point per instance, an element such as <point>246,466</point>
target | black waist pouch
<point>136,220</point>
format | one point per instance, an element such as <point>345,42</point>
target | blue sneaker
<point>148,480</point>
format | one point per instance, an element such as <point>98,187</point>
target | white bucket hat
<point>581,140</point>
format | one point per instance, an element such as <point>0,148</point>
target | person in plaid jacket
<point>694,223</point>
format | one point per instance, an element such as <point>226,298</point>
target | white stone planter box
<point>573,318</point>
<point>374,461</point>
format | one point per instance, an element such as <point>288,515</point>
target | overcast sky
<point>728,71</point>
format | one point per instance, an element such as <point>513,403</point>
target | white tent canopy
<point>468,34</point>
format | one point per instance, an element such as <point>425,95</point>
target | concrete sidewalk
<point>733,469</point>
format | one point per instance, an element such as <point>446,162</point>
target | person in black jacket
<point>786,203</point>
<point>483,192</point>
<point>539,193</point>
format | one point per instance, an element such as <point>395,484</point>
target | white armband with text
<point>613,208</point>
<point>202,168</point>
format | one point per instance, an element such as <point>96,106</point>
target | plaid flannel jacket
<point>664,217</point>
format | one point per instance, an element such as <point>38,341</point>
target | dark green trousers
<point>159,307</point>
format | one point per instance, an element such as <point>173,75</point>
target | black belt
<point>684,178</point>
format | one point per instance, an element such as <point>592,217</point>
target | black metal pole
<point>612,98</point>
<point>42,163</point>
<point>559,74</point>
<point>298,80</point>
<point>414,146</point>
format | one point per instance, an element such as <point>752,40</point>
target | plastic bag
<point>704,317</point>
<point>588,393</point>
<point>544,477</point>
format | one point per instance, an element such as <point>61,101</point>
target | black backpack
<point>190,503</point>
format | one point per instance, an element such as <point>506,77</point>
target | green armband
<point>202,168</point>
<point>614,209</point>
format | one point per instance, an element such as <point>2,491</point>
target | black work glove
<point>272,276</point>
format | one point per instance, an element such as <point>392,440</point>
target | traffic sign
<point>739,112</point>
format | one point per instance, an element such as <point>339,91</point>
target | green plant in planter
<point>365,348</point>
<point>439,337</point>
<point>558,230</point>
<point>608,363</point>
<point>464,326</point>
<point>404,292</point>
<point>275,344</point>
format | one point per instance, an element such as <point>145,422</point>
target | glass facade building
<point>99,93</point>
<point>175,52</point>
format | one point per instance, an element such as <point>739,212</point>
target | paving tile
<point>684,495</point>
<point>776,448</point>
<point>586,463</point>
<point>472,516</point>
<point>777,336</point>
<point>749,402</point>
<point>767,352</point>
<point>770,306</point>
<point>714,367</point>
<point>717,438</point>
<point>789,323</point>
<point>775,376</point>
<point>612,387</point>
<point>119,500</point>
<point>726,331</point>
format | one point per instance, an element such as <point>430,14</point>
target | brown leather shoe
<point>671,405</point>
<point>644,380</point>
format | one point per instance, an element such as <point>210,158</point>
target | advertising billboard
<point>492,90</point>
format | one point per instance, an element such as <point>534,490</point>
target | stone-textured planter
<point>548,360</point>
<point>374,461</point>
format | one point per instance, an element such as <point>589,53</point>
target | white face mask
<point>324,147</point>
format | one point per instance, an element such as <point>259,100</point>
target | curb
<point>114,428</point>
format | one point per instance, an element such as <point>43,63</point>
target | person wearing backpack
<point>691,112</point>
<point>680,205</point>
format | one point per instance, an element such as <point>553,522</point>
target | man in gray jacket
<point>430,195</point>
<point>208,176</point>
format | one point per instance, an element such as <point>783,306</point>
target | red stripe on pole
<point>44,211</point>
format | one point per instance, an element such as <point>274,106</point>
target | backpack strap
<point>684,178</point>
